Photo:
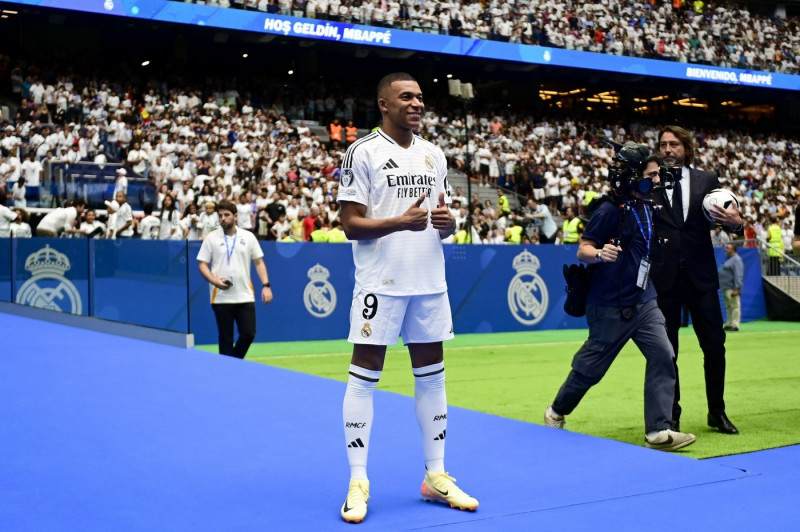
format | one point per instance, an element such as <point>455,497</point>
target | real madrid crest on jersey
<point>527,293</point>
<point>428,162</point>
<point>48,288</point>
<point>347,177</point>
<point>319,295</point>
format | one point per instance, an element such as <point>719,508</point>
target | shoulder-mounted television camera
<point>626,171</point>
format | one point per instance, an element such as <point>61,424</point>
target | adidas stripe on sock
<point>430,401</point>
<point>357,417</point>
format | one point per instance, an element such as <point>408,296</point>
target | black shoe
<point>729,328</point>
<point>675,425</point>
<point>722,423</point>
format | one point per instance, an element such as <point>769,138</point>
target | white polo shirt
<point>388,179</point>
<point>242,248</point>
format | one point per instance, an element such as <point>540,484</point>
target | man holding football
<point>687,275</point>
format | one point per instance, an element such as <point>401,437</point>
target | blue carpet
<point>109,433</point>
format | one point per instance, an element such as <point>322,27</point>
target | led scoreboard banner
<point>256,21</point>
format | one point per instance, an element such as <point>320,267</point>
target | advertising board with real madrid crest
<point>52,274</point>
<point>491,288</point>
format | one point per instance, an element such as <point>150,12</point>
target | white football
<point>718,196</point>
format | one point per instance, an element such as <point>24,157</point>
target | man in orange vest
<point>336,132</point>
<point>350,132</point>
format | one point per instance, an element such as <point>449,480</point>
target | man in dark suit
<point>687,275</point>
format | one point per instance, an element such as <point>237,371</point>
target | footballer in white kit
<point>388,179</point>
<point>394,195</point>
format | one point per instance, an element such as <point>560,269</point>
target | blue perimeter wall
<point>492,288</point>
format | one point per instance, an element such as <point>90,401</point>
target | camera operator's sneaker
<point>551,419</point>
<point>669,440</point>
<point>441,487</point>
<point>354,509</point>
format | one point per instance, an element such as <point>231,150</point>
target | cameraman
<point>621,303</point>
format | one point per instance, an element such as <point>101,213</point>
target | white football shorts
<point>377,319</point>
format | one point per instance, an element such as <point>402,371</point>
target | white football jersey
<point>388,179</point>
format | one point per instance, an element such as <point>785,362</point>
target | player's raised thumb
<point>441,199</point>
<point>419,200</point>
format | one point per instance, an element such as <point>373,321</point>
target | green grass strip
<point>516,375</point>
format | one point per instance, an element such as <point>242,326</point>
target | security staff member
<point>503,207</point>
<point>350,132</point>
<point>514,233</point>
<point>336,132</point>
<point>775,242</point>
<point>335,233</point>
<point>572,227</point>
<point>318,234</point>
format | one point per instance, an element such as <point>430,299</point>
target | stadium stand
<point>244,134</point>
<point>200,137</point>
<point>713,33</point>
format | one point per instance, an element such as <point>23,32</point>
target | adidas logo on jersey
<point>391,165</point>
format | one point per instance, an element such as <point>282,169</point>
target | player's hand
<point>416,218</point>
<point>441,218</point>
<point>610,252</point>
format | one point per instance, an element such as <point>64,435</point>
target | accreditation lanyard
<point>647,237</point>
<point>229,250</point>
<point>643,276</point>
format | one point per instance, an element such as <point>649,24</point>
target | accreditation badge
<point>644,274</point>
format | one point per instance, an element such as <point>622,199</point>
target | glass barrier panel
<point>143,282</point>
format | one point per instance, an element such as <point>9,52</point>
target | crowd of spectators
<point>200,147</point>
<point>713,33</point>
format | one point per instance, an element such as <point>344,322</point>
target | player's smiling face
<point>403,104</point>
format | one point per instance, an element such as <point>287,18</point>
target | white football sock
<point>357,417</point>
<point>430,401</point>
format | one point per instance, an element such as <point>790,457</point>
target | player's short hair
<point>226,205</point>
<point>686,139</point>
<point>386,81</point>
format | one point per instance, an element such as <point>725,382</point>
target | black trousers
<point>707,321</point>
<point>774,266</point>
<point>244,316</point>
